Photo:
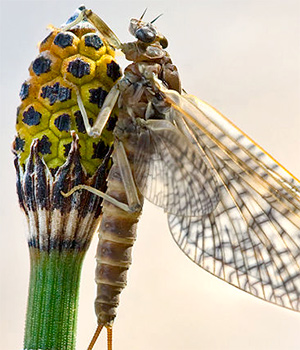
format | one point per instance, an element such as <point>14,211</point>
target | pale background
<point>242,57</point>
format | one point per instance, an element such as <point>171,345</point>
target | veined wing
<point>252,238</point>
<point>171,172</point>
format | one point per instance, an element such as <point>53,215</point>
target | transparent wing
<point>171,172</point>
<point>252,238</point>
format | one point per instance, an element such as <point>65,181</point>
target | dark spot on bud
<point>78,68</point>
<point>56,92</point>
<point>18,112</point>
<point>100,150</point>
<point>63,40</point>
<point>113,70</point>
<point>67,148</point>
<point>19,144</point>
<point>44,145</point>
<point>72,18</point>
<point>79,122</point>
<point>24,92</point>
<point>75,15</point>
<point>63,122</point>
<point>93,40</point>
<point>31,117</point>
<point>111,123</point>
<point>41,65</point>
<point>97,96</point>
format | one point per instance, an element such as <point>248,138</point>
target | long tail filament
<point>95,337</point>
<point>109,338</point>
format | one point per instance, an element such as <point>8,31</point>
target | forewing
<point>252,238</point>
<point>171,172</point>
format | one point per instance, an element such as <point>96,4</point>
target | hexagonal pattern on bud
<point>57,94</point>
<point>92,46</point>
<point>70,62</point>
<point>45,67</point>
<point>61,123</point>
<point>34,117</point>
<point>94,94</point>
<point>107,71</point>
<point>47,42</point>
<point>78,69</point>
<point>29,91</point>
<point>48,144</point>
<point>64,44</point>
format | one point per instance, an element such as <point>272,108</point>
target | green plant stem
<point>53,298</point>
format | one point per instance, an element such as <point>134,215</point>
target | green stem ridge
<point>53,298</point>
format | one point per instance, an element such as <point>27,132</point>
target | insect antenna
<point>143,14</point>
<point>95,337</point>
<point>156,18</point>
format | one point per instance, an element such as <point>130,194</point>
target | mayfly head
<point>146,33</point>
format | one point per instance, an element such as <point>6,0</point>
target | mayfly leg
<point>127,177</point>
<point>104,114</point>
<point>133,201</point>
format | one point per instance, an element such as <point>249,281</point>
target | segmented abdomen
<point>116,238</point>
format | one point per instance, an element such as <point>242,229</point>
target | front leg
<point>104,114</point>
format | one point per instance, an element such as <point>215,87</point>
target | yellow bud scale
<point>77,60</point>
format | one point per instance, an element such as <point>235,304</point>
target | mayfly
<point>232,209</point>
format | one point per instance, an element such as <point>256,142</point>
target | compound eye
<point>145,34</point>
